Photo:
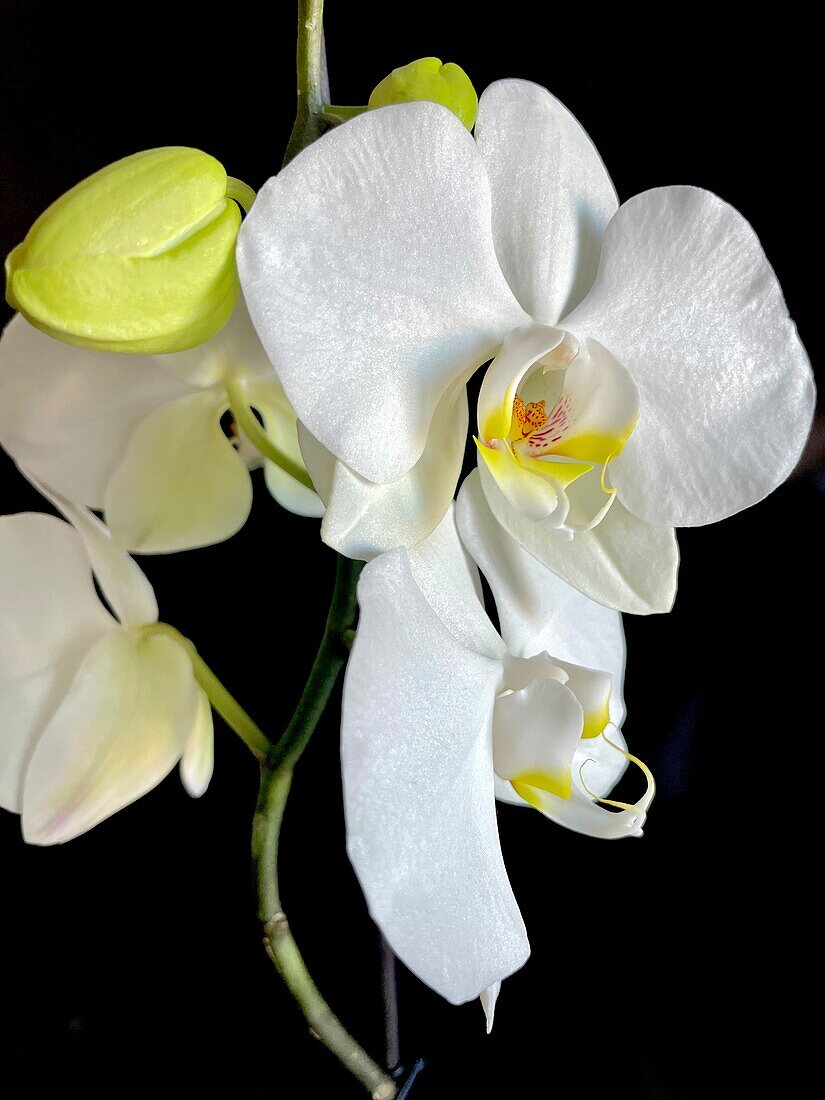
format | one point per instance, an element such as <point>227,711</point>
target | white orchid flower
<point>651,336</point>
<point>441,715</point>
<point>94,708</point>
<point>140,437</point>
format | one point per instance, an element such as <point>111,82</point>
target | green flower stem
<point>220,699</point>
<point>241,192</point>
<point>310,66</point>
<point>276,780</point>
<point>251,428</point>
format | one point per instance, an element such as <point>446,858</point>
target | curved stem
<point>276,780</point>
<point>310,66</point>
<point>220,699</point>
<point>248,423</point>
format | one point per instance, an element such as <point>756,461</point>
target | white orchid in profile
<point>95,707</point>
<point>646,374</point>
<point>141,437</point>
<point>442,715</point>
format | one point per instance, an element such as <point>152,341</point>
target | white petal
<point>418,790</point>
<point>686,300</point>
<point>448,579</point>
<point>120,729</point>
<point>67,413</point>
<point>281,425</point>
<point>198,758</point>
<point>50,618</point>
<point>489,997</point>
<point>363,519</point>
<point>623,563</point>
<point>552,196</point>
<point>536,731</point>
<point>369,270</point>
<point>181,483</point>
<point>538,611</point>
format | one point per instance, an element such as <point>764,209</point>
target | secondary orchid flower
<point>141,437</point>
<point>441,714</point>
<point>95,709</point>
<point>651,336</point>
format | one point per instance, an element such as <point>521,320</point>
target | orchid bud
<point>428,79</point>
<point>139,257</point>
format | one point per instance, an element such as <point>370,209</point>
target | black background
<point>669,967</point>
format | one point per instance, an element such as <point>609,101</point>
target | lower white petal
<point>535,734</point>
<point>181,483</point>
<point>121,728</point>
<point>418,790</point>
<point>362,518</point>
<point>623,563</point>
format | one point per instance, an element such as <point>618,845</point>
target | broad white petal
<point>363,519</point>
<point>181,483</point>
<point>281,425</point>
<point>120,729</point>
<point>552,196</point>
<point>418,790</point>
<point>623,563</point>
<point>50,618</point>
<point>538,611</point>
<point>123,583</point>
<point>67,413</point>
<point>536,731</point>
<point>369,270</point>
<point>448,579</point>
<point>686,300</point>
<point>198,758</point>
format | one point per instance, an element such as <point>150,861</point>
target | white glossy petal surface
<point>181,483</point>
<point>624,563</point>
<point>686,300</point>
<point>538,611</point>
<point>120,729</point>
<point>51,617</point>
<point>552,196</point>
<point>67,413</point>
<point>379,233</point>
<point>363,519</point>
<point>418,789</point>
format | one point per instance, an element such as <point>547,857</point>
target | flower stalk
<point>276,780</point>
<point>309,61</point>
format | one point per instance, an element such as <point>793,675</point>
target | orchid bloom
<point>441,715</point>
<point>140,437</point>
<point>646,374</point>
<point>95,709</point>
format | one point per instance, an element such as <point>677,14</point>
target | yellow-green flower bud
<point>429,79</point>
<point>139,257</point>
